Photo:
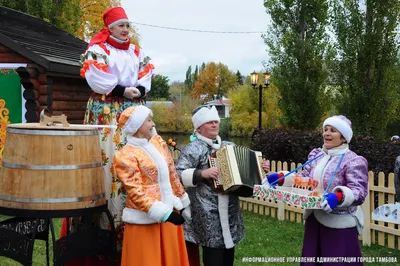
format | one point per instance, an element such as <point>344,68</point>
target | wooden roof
<point>43,43</point>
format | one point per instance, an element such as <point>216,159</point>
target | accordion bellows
<point>239,170</point>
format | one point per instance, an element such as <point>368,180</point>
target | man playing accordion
<point>217,223</point>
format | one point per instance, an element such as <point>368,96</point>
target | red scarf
<point>104,36</point>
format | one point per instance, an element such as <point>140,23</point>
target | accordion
<point>239,170</point>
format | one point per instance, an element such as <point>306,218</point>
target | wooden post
<point>273,166</point>
<point>381,201</point>
<point>366,234</point>
<point>391,199</point>
<point>281,211</point>
<point>285,166</point>
<point>278,166</point>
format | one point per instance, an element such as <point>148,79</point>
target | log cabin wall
<point>69,96</point>
<point>60,95</point>
<point>30,81</point>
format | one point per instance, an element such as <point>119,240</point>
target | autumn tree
<point>82,18</point>
<point>367,69</point>
<point>298,43</point>
<point>175,118</point>
<point>244,109</point>
<point>64,14</point>
<point>92,16</point>
<point>215,79</point>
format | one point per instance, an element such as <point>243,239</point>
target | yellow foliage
<point>176,118</point>
<point>270,107</point>
<point>205,85</point>
<point>214,79</point>
<point>244,109</point>
<point>243,123</point>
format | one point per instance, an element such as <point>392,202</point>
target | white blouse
<point>123,68</point>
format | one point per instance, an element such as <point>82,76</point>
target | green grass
<point>265,237</point>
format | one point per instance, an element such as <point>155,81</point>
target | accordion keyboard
<point>239,169</point>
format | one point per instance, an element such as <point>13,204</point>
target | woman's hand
<point>131,92</point>
<point>210,173</point>
<point>265,165</point>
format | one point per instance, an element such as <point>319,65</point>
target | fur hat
<point>203,115</point>
<point>132,118</point>
<point>114,16</point>
<point>342,124</point>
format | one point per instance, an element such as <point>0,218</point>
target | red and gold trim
<point>100,66</point>
<point>146,70</point>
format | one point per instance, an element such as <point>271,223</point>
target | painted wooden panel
<point>10,102</point>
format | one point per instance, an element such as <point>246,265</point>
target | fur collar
<point>163,171</point>
<point>215,144</point>
<point>337,150</point>
<point>136,141</point>
<point>319,171</point>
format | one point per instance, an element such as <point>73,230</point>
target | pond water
<point>182,140</point>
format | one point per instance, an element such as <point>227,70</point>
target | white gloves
<point>325,206</point>
<point>131,92</point>
<point>331,201</point>
<point>176,203</point>
<point>264,182</point>
<point>187,214</point>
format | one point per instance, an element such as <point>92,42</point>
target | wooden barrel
<point>51,168</point>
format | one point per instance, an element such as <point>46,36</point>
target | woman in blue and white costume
<point>119,74</point>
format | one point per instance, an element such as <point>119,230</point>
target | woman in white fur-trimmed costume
<point>153,233</point>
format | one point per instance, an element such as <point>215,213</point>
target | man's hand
<point>210,173</point>
<point>265,165</point>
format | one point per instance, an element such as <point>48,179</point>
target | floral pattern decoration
<point>287,197</point>
<point>4,122</point>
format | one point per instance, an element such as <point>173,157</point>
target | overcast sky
<point>172,51</point>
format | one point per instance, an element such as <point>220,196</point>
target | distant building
<point>223,106</point>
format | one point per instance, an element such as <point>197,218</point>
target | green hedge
<point>295,145</point>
